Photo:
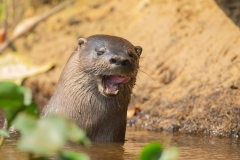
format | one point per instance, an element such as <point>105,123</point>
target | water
<point>198,147</point>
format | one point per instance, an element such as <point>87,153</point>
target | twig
<point>33,23</point>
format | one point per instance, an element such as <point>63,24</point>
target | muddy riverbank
<point>189,70</point>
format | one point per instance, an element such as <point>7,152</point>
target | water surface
<point>198,147</point>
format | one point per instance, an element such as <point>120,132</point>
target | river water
<point>197,147</point>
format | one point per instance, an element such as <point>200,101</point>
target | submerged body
<point>95,86</point>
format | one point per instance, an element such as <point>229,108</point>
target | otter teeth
<point>108,91</point>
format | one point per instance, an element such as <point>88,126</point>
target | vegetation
<point>154,151</point>
<point>39,137</point>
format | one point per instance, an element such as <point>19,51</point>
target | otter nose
<point>119,61</point>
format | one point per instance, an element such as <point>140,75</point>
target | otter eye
<point>130,54</point>
<point>100,51</point>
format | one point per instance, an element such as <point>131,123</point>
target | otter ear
<point>138,49</point>
<point>81,41</point>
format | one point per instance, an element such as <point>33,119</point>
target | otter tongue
<point>112,81</point>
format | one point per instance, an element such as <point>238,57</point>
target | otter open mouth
<point>111,84</point>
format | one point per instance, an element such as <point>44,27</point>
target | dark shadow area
<point>231,8</point>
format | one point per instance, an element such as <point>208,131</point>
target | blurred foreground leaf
<point>42,136</point>
<point>76,135</point>
<point>14,99</point>
<point>152,151</point>
<point>170,154</point>
<point>71,155</point>
<point>15,67</point>
<point>25,122</point>
<point>13,95</point>
<point>47,135</point>
<point>4,133</point>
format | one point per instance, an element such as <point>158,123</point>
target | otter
<point>95,86</point>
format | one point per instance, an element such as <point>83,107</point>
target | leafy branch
<point>39,137</point>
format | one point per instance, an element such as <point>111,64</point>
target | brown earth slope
<point>190,64</point>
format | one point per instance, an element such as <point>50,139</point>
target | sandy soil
<point>188,80</point>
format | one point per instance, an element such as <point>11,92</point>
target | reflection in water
<point>100,150</point>
<point>9,151</point>
<point>199,147</point>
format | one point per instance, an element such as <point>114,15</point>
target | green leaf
<point>4,133</point>
<point>77,135</point>
<point>170,154</point>
<point>11,113</point>
<point>14,99</point>
<point>11,95</point>
<point>25,122</point>
<point>48,136</point>
<point>32,110</point>
<point>152,151</point>
<point>27,100</point>
<point>71,155</point>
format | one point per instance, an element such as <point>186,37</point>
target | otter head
<point>111,62</point>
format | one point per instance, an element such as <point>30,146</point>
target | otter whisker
<point>146,74</point>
